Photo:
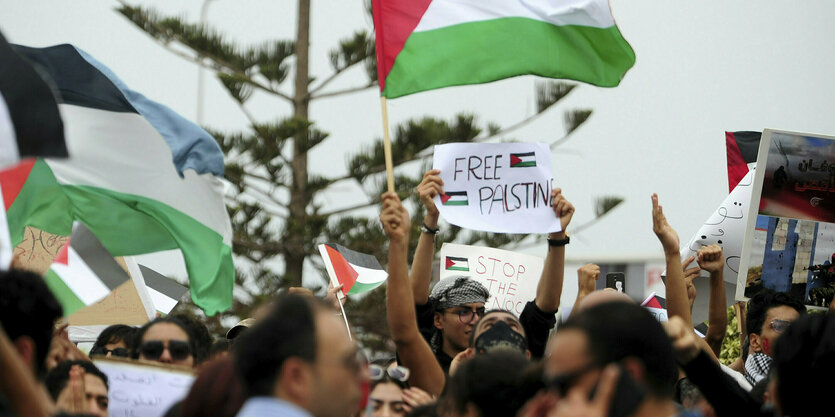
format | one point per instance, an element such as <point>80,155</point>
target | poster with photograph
<point>789,241</point>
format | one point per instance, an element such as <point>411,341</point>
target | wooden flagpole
<point>339,298</point>
<point>387,145</point>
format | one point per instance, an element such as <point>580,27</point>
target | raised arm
<point>549,289</point>
<point>712,259</point>
<point>414,352</point>
<point>421,274</point>
<point>678,304</point>
<point>586,282</point>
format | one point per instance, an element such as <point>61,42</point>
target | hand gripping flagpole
<point>387,145</point>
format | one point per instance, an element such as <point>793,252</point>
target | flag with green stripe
<point>84,272</point>
<point>357,272</point>
<point>426,44</point>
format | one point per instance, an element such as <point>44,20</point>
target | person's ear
<point>295,381</point>
<point>438,322</point>
<point>635,368</point>
<point>25,347</point>
<point>756,343</point>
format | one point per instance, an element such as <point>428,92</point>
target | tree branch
<point>345,91</point>
<point>351,208</point>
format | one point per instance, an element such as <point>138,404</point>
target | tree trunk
<point>295,233</point>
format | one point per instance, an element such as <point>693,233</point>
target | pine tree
<point>274,210</point>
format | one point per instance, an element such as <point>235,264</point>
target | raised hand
<point>685,342</point>
<point>562,207</point>
<point>665,233</point>
<point>395,219</point>
<point>711,258</point>
<point>586,278</point>
<point>578,403</point>
<point>430,186</point>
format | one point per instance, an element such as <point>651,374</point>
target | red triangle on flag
<point>444,198</point>
<point>514,159</point>
<point>13,179</point>
<point>345,273</point>
<point>449,263</point>
<point>64,254</point>
<point>654,303</point>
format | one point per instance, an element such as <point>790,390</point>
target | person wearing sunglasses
<point>390,394</point>
<point>769,314</point>
<point>166,340</point>
<point>114,341</point>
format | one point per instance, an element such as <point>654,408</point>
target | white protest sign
<point>143,390</point>
<point>510,277</point>
<point>497,187</point>
<point>726,228</point>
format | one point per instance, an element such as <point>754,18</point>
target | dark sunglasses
<point>101,350</point>
<point>397,373</point>
<point>153,349</point>
<point>561,383</point>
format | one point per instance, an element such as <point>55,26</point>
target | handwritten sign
<point>143,389</point>
<point>510,277</point>
<point>497,187</point>
<point>725,227</point>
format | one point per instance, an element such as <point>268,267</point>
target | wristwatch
<point>559,242</point>
<point>426,229</point>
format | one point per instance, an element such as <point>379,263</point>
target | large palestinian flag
<point>357,272</point>
<point>141,177</point>
<point>30,124</point>
<point>426,44</point>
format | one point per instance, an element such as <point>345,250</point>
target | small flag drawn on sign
<point>454,198</point>
<point>454,263</point>
<point>523,160</point>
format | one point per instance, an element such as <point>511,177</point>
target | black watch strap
<point>559,242</point>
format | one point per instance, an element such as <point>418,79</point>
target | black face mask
<point>500,337</point>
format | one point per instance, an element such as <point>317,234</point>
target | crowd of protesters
<point>452,357</point>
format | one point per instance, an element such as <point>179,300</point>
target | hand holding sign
<point>563,209</point>
<point>497,187</point>
<point>431,186</point>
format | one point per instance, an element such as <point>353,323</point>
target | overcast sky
<point>703,67</point>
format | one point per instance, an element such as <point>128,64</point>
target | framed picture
<point>789,243</point>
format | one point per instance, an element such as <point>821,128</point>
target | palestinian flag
<point>140,176</point>
<point>741,149</point>
<point>454,198</point>
<point>656,305</point>
<point>165,292</point>
<point>426,44</point>
<point>357,272</point>
<point>522,160</point>
<point>30,124</point>
<point>84,272</point>
<point>454,263</point>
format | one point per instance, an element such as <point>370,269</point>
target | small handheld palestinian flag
<point>84,272</point>
<point>454,263</point>
<point>454,198</point>
<point>165,292</point>
<point>656,305</point>
<point>523,160</point>
<point>357,272</point>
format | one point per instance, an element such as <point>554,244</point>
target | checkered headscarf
<point>456,291</point>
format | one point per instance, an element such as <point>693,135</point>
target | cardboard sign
<point>497,187</point>
<point>143,389</point>
<point>510,277</point>
<point>790,229</point>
